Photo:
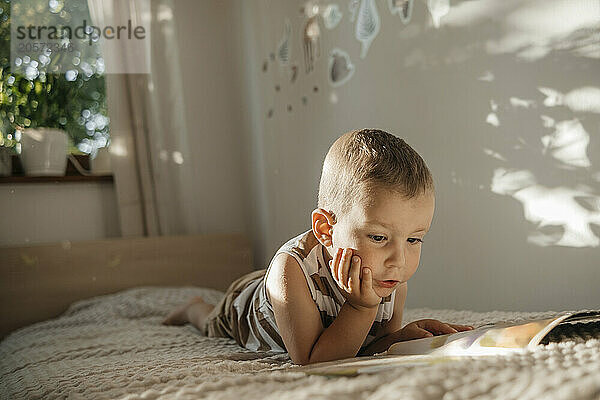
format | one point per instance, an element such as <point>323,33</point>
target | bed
<point>82,321</point>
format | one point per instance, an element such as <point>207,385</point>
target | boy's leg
<point>195,312</point>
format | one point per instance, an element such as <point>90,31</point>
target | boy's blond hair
<point>365,160</point>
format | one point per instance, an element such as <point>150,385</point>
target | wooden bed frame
<point>39,282</point>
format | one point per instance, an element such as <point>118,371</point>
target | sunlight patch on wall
<point>584,99</point>
<point>488,76</point>
<point>492,118</point>
<point>165,13</point>
<point>562,215</point>
<point>568,144</point>
<point>494,154</point>
<point>530,28</point>
<point>177,157</point>
<point>522,103</point>
<point>118,147</point>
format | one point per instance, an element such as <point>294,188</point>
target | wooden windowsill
<point>55,179</point>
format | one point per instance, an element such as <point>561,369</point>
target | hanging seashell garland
<point>367,25</point>
<point>403,8</point>
<point>332,15</point>
<point>312,42</point>
<point>438,9</point>
<point>340,67</point>
<point>364,16</point>
<point>293,73</point>
<point>353,9</point>
<point>284,49</point>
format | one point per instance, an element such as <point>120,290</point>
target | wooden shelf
<point>55,179</point>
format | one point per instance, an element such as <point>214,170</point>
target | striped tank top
<point>255,317</point>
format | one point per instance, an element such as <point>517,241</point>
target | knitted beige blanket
<point>114,347</point>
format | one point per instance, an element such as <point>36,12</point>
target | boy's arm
<point>299,321</point>
<point>392,327</point>
<point>393,333</point>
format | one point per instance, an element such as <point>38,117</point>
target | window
<point>34,94</point>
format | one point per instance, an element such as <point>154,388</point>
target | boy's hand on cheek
<point>357,285</point>
<point>427,328</point>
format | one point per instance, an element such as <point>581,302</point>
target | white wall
<point>436,88</point>
<point>210,71</point>
<point>55,212</point>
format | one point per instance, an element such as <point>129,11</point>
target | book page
<point>485,340</point>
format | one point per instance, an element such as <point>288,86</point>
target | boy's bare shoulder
<point>284,258</point>
<point>296,314</point>
<point>285,277</point>
<point>283,267</point>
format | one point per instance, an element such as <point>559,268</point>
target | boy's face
<point>387,235</point>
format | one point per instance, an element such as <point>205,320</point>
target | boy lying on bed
<point>339,289</point>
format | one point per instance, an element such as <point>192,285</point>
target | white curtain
<point>149,153</point>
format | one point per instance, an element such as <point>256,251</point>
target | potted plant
<point>33,110</point>
<point>46,114</point>
<point>44,151</point>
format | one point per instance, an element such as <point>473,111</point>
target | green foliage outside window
<point>74,101</point>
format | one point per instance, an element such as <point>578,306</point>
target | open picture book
<point>487,340</point>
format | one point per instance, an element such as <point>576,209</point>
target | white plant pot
<point>44,151</point>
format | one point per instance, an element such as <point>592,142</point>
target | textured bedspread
<point>114,347</point>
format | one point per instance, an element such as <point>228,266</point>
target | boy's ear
<point>322,226</point>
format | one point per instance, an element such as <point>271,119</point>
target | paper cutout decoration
<point>367,25</point>
<point>332,15</point>
<point>438,9</point>
<point>310,8</point>
<point>293,73</point>
<point>312,43</point>
<point>340,67</point>
<point>284,49</point>
<point>403,8</point>
<point>353,8</point>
